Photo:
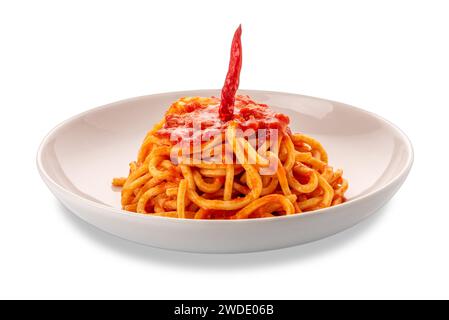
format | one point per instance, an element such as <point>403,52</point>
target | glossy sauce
<point>198,118</point>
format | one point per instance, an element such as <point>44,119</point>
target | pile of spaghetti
<point>160,185</point>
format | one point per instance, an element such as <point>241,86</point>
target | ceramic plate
<point>78,159</point>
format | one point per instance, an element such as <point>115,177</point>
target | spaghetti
<point>228,158</point>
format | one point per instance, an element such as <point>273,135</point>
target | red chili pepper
<point>231,84</point>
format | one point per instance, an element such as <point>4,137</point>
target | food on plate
<point>228,157</point>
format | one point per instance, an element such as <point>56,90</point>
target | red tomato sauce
<point>197,121</point>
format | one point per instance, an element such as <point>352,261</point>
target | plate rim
<point>50,181</point>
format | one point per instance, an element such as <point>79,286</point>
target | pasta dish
<point>228,157</point>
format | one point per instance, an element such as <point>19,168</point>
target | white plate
<point>78,159</point>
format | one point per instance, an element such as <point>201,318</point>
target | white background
<point>59,58</point>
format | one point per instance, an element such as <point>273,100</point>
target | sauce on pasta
<point>286,173</point>
<point>184,114</point>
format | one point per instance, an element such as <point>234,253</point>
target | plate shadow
<point>176,259</point>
